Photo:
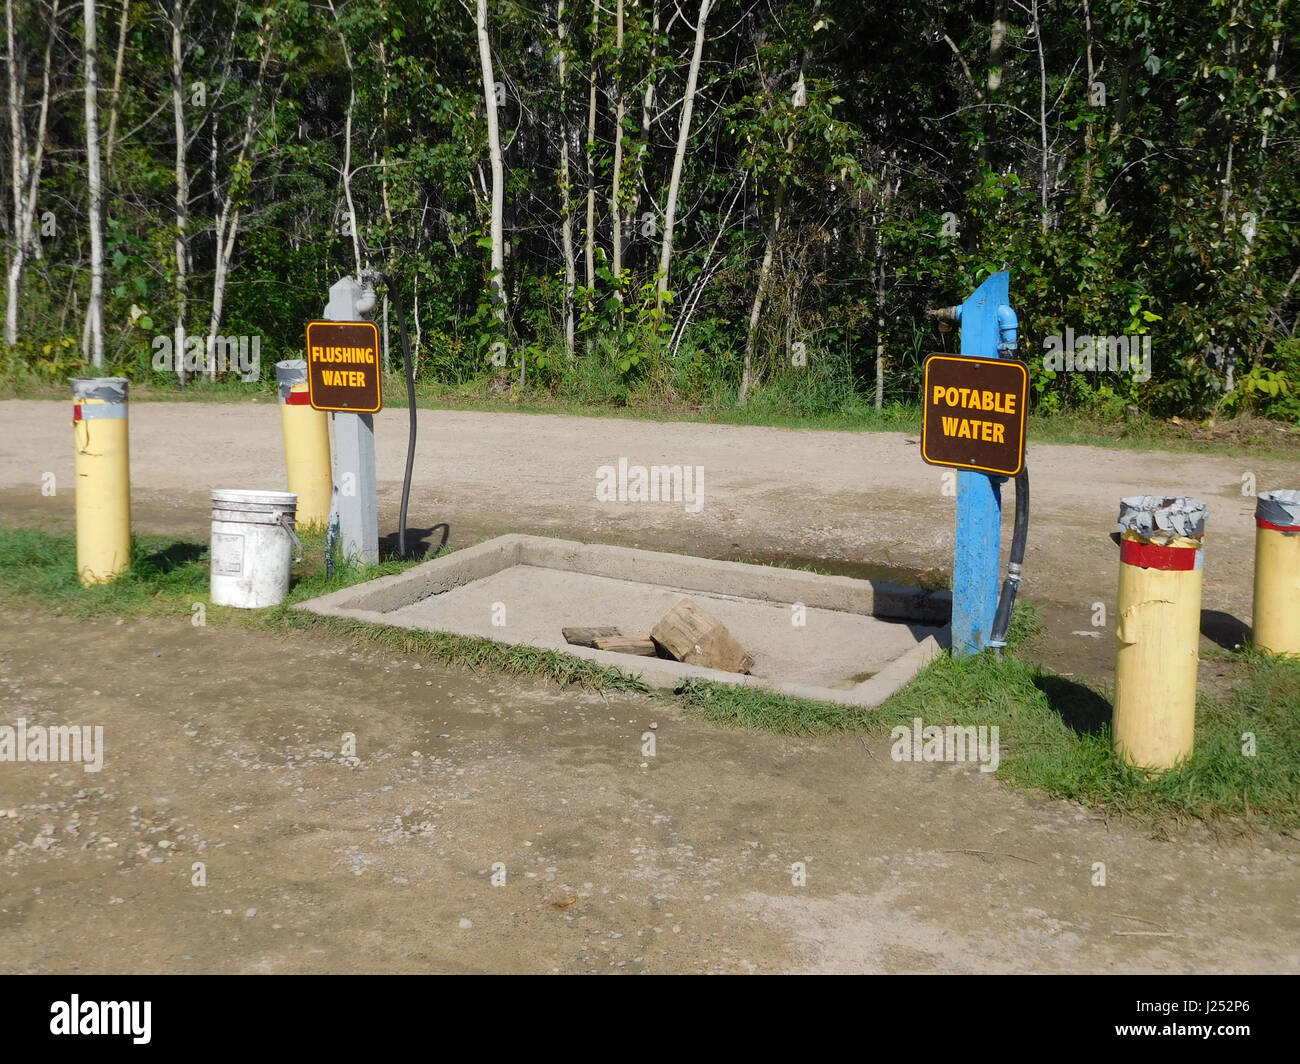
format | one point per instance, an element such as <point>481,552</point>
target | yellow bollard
<point>306,445</point>
<point>103,476</point>
<point>1276,622</point>
<point>1158,631</point>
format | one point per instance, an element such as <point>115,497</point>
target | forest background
<point>710,203</point>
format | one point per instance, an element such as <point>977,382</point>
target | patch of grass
<point>1054,733</point>
<point>1026,627</point>
<point>166,574</point>
<point>758,710</point>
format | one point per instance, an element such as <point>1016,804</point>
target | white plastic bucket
<point>253,547</point>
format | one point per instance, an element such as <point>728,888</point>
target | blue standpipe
<point>989,329</point>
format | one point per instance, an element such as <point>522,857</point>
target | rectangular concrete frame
<point>375,600</point>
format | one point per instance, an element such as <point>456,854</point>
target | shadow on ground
<point>177,554</point>
<point>1224,629</point>
<point>419,542</point>
<point>1082,708</point>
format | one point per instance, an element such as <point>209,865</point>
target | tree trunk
<point>647,108</point>
<point>226,229</point>
<point>760,292</point>
<point>93,341</point>
<point>590,248</point>
<point>497,283</point>
<point>115,102</point>
<point>997,45</point>
<point>1266,129</point>
<point>182,188</point>
<point>679,157</point>
<point>353,226</point>
<point>1045,158</point>
<point>566,194</point>
<point>1125,94</point>
<point>17,161</point>
<point>347,145</point>
<point>885,195</point>
<point>25,172</point>
<point>615,203</point>
<point>415,317</point>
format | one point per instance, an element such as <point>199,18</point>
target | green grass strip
<point>1054,733</point>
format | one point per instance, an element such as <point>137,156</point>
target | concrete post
<point>356,495</point>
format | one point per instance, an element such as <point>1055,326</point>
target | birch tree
<point>115,98</point>
<point>589,238</point>
<point>346,170</point>
<point>679,157</point>
<point>25,166</point>
<point>231,197</point>
<point>566,188</point>
<point>615,202</point>
<point>181,245</point>
<point>496,285</point>
<point>92,340</point>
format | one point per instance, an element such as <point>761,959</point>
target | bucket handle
<point>297,543</point>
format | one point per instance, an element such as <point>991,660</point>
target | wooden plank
<point>586,637</point>
<point>687,633</point>
<point>621,644</point>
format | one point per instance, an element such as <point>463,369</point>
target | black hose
<point>1002,618</point>
<point>391,282</point>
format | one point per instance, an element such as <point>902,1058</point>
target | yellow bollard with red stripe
<point>1158,631</point>
<point>1275,625</point>
<point>306,445</point>
<point>102,464</point>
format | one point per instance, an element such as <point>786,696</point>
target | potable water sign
<point>975,413</point>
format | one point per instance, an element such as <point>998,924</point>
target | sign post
<point>343,378</point>
<point>983,460</point>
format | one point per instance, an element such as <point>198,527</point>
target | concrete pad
<point>860,640</point>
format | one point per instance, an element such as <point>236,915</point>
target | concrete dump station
<point>831,638</point>
<point>673,618</point>
<point>854,641</point>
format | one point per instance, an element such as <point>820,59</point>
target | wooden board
<point>688,634</point>
<point>586,637</point>
<point>621,644</point>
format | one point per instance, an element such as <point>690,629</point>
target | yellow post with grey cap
<point>103,478</point>
<point>1159,630</point>
<point>306,445</point>
<point>1275,623</point>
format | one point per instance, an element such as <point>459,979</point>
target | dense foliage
<point>848,164</point>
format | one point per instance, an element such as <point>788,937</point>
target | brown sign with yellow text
<point>975,413</point>
<point>343,366</point>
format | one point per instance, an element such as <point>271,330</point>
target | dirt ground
<point>226,745</point>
